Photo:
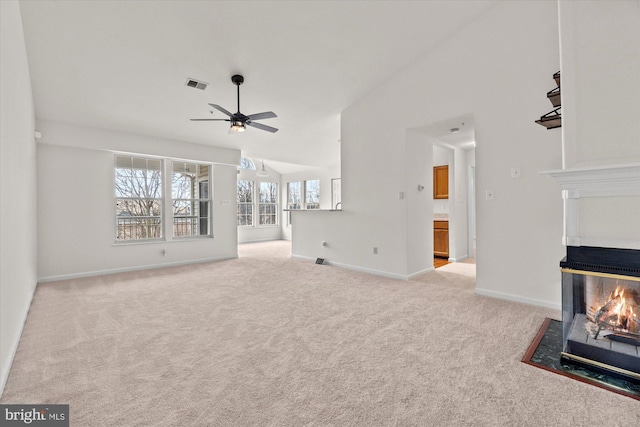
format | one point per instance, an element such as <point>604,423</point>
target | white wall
<point>18,206</point>
<point>601,108</point>
<point>76,203</point>
<point>600,82</point>
<point>499,69</point>
<point>259,233</point>
<point>420,154</point>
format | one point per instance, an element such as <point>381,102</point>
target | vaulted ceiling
<point>123,65</point>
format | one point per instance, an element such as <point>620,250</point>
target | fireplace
<point>601,309</point>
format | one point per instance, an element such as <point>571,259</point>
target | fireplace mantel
<point>622,180</point>
<point>600,181</point>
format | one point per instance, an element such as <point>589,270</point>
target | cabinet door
<point>441,182</point>
<point>440,240</point>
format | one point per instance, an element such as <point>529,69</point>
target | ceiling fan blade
<point>265,115</point>
<point>222,110</point>
<point>261,126</point>
<point>210,120</point>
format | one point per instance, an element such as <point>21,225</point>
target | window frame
<point>196,202</point>
<point>166,200</point>
<point>303,197</point>
<point>306,194</point>
<point>273,205</point>
<point>245,203</point>
<point>161,199</point>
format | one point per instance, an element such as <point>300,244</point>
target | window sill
<point>160,241</point>
<point>312,210</point>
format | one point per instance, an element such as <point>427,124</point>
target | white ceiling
<point>443,131</point>
<point>123,65</point>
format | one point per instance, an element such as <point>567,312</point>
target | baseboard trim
<point>418,273</point>
<point>356,268</point>
<point>515,298</point>
<point>127,269</point>
<point>462,258</point>
<point>14,346</point>
<point>258,241</point>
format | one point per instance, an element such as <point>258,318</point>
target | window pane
<point>312,194</point>
<point>181,185</point>
<point>268,192</point>
<point>123,182</point>
<point>245,191</point>
<point>190,193</point>
<point>268,203</point>
<point>182,208</point>
<point>246,163</point>
<point>154,184</point>
<point>141,227</point>
<point>294,198</point>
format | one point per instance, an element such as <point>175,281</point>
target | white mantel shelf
<point>599,181</point>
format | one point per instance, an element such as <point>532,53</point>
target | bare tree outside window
<point>294,198</point>
<point>268,206</point>
<point>247,164</point>
<point>245,203</point>
<point>139,201</point>
<point>312,194</point>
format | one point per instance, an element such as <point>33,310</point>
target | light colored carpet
<point>272,341</point>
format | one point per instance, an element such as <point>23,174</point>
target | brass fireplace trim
<point>601,365</point>
<point>598,274</point>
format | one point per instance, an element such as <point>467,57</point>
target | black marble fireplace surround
<point>601,309</point>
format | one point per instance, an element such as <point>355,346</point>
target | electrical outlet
<point>488,195</point>
<point>375,250</point>
<point>515,172</point>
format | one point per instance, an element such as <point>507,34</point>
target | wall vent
<point>196,84</point>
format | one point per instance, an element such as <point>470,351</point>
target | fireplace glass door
<point>601,321</point>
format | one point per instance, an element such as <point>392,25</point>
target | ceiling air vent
<point>196,84</point>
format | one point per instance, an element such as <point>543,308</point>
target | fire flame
<point>617,313</point>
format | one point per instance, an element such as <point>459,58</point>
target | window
<point>191,201</point>
<point>303,195</point>
<point>247,164</point>
<point>312,194</point>
<point>294,198</point>
<point>245,203</point>
<point>139,201</point>
<point>268,207</point>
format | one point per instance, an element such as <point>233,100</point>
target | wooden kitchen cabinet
<point>441,239</point>
<point>441,182</point>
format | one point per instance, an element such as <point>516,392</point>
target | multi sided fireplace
<point>601,309</point>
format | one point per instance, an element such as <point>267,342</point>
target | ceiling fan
<point>238,120</point>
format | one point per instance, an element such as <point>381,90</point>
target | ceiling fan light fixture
<point>238,126</point>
